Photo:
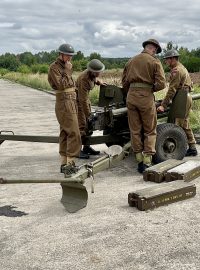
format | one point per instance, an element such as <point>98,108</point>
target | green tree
<point>9,61</point>
<point>170,45</point>
<point>79,55</point>
<point>196,52</point>
<point>24,69</point>
<point>80,65</point>
<point>27,58</point>
<point>95,55</point>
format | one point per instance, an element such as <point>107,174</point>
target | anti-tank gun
<point>111,118</point>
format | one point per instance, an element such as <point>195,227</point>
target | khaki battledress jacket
<point>142,76</point>
<point>84,84</point>
<point>60,79</point>
<point>180,81</point>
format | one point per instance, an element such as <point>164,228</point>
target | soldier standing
<point>60,79</point>
<point>179,81</point>
<point>84,84</point>
<point>142,76</point>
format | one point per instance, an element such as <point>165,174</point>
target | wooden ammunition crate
<point>187,171</point>
<point>157,172</point>
<point>162,194</point>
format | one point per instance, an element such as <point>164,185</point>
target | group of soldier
<point>142,76</point>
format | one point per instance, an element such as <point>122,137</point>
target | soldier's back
<point>141,68</point>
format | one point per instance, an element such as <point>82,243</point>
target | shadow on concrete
<point>8,211</point>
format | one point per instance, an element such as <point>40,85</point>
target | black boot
<point>145,166</point>
<point>140,167</point>
<point>87,149</point>
<point>61,168</point>
<point>83,155</point>
<point>69,169</point>
<point>191,152</point>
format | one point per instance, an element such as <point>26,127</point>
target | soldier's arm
<point>100,82</point>
<point>160,81</point>
<point>83,97</point>
<point>174,84</point>
<point>125,82</point>
<point>62,81</point>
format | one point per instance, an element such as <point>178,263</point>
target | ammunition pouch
<point>178,106</point>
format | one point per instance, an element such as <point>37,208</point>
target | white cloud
<point>113,28</point>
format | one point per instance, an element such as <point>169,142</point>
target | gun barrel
<point>37,181</point>
<point>195,96</point>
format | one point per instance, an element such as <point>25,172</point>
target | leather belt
<point>141,85</point>
<point>66,90</point>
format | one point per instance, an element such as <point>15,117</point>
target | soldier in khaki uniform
<point>84,84</point>
<point>142,76</point>
<point>179,81</point>
<point>60,79</point>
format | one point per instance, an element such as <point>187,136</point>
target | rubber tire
<point>169,132</point>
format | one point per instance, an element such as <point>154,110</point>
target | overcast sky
<point>113,28</point>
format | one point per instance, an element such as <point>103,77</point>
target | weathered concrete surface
<point>107,234</point>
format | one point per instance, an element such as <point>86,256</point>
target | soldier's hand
<point>174,71</point>
<point>160,109</point>
<point>104,83</point>
<point>68,65</point>
<point>99,82</point>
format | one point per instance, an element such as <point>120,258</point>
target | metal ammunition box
<point>111,94</point>
<point>162,194</point>
<point>157,172</point>
<point>187,171</point>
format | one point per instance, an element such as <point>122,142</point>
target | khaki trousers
<point>184,123</point>
<point>142,118</point>
<point>66,113</point>
<point>83,118</point>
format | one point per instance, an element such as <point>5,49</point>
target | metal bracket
<point>90,169</point>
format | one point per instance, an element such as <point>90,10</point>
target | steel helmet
<point>66,49</point>
<point>95,65</point>
<point>154,42</point>
<point>171,53</point>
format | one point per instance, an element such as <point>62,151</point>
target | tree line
<point>39,63</point>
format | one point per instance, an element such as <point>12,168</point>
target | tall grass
<point>37,81</point>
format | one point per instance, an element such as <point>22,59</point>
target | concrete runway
<point>108,234</point>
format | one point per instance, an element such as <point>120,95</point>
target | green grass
<point>94,95</point>
<point>37,81</point>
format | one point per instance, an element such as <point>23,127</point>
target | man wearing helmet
<point>84,84</point>
<point>60,79</point>
<point>142,76</point>
<point>179,81</point>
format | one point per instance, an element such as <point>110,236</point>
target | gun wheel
<point>171,142</point>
